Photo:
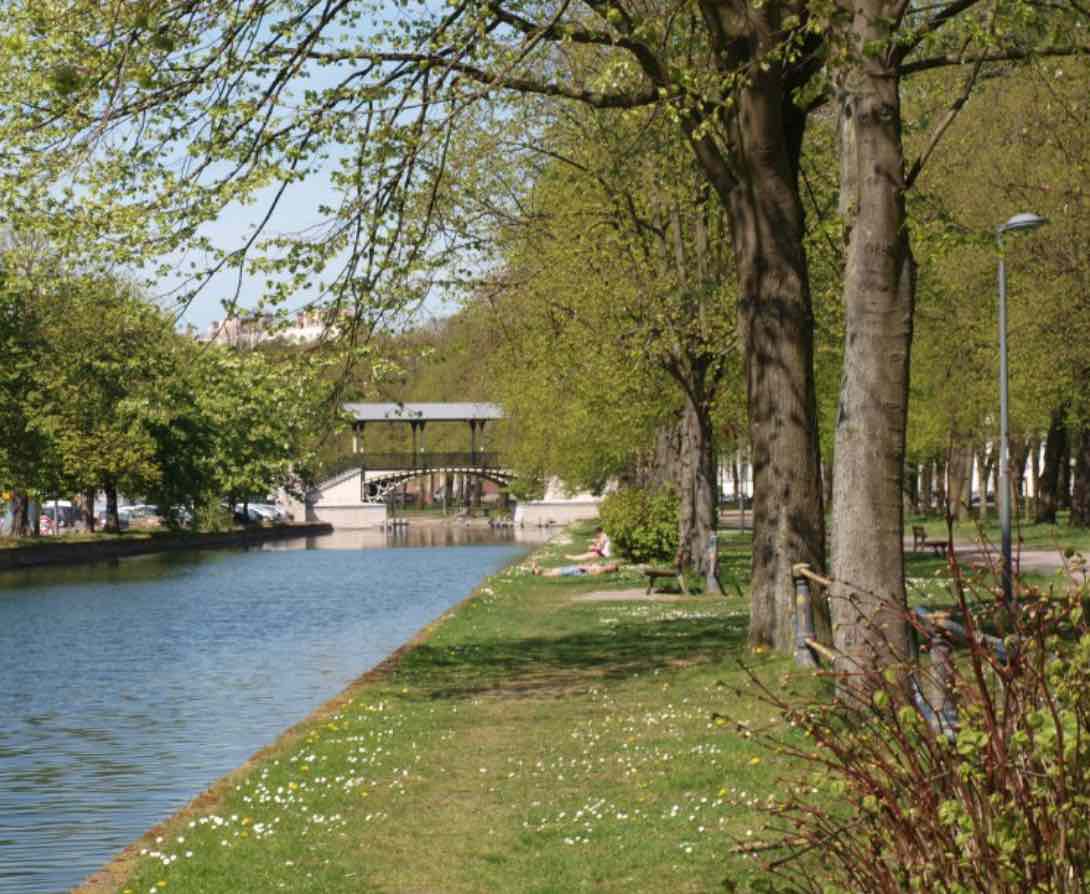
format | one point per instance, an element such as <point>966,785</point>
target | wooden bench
<point>919,540</point>
<point>654,575</point>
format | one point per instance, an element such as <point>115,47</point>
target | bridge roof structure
<point>424,412</point>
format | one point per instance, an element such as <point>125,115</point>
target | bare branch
<point>1013,54</point>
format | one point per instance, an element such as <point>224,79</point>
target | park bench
<point>654,575</point>
<point>919,540</point>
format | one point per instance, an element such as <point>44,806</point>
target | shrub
<point>642,524</point>
<point>998,801</point>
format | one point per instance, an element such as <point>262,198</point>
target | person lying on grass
<point>575,570</point>
<point>600,548</point>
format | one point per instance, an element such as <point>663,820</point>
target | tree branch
<point>1013,54</point>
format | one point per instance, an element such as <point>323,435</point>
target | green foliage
<point>98,391</point>
<point>642,524</point>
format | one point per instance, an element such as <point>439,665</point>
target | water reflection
<point>129,688</point>
<point>415,536</point>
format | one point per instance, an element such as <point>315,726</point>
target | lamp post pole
<point>1022,221</point>
<point>1004,457</point>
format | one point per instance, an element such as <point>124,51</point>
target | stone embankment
<point>88,551</point>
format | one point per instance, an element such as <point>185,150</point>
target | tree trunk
<point>776,320</point>
<point>1063,478</point>
<point>1049,480</point>
<point>912,482</point>
<point>113,523</point>
<point>1035,469</point>
<point>88,510</point>
<point>984,464</point>
<point>868,595</point>
<point>1019,449</point>
<point>698,512</point>
<point>20,514</point>
<point>940,484</point>
<point>958,464</point>
<point>1080,499</point>
<point>927,487</point>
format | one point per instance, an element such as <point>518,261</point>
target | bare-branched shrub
<point>996,799</point>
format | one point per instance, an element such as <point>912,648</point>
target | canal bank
<point>545,735</point>
<point>129,686</point>
<point>80,552</point>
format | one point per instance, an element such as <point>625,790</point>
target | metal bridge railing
<point>409,462</point>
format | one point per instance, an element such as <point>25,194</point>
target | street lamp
<point>1023,221</point>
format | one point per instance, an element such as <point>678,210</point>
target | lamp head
<point>1023,221</point>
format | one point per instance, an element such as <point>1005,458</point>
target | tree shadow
<point>541,663</point>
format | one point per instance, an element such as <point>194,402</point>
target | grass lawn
<point>1024,532</point>
<point>530,741</point>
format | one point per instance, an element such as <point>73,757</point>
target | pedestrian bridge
<point>357,487</point>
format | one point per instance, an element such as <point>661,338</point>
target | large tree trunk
<point>868,599</point>
<point>1049,480</point>
<point>1080,499</point>
<point>777,324</point>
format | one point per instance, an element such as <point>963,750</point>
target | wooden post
<point>804,620</point>
<point>942,670</point>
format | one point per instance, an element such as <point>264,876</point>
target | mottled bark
<point>87,510</point>
<point>776,320</point>
<point>1049,481</point>
<point>868,597</point>
<point>699,511</point>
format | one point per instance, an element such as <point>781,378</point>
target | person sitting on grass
<point>600,548</point>
<point>574,570</point>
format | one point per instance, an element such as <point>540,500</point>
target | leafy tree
<point>109,352</point>
<point>209,85</point>
<point>620,301</point>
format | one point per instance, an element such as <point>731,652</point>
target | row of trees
<point>199,103</point>
<point>98,392</point>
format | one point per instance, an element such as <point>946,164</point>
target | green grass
<point>530,742</point>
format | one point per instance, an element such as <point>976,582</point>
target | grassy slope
<point>529,743</point>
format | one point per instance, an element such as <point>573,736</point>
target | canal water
<point>126,689</point>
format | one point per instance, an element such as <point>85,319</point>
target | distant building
<point>307,327</point>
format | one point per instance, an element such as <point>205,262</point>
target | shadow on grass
<point>618,650</point>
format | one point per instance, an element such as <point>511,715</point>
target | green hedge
<point>642,524</point>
